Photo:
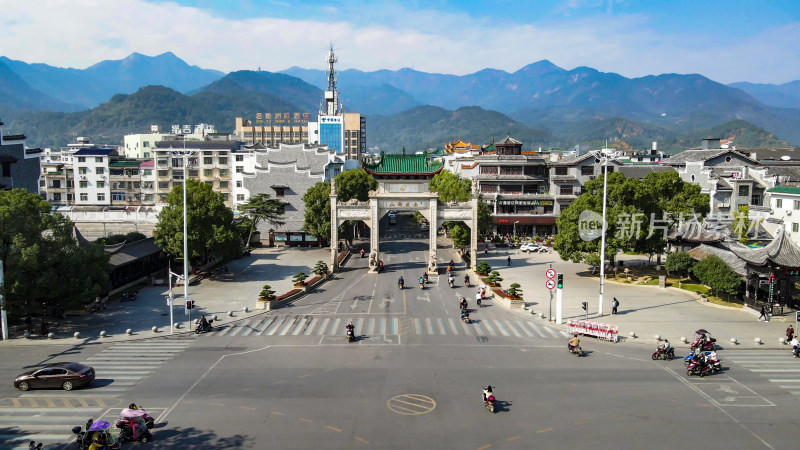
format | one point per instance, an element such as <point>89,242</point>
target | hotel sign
<point>526,202</point>
<point>282,118</point>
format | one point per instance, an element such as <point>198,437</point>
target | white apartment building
<point>140,146</point>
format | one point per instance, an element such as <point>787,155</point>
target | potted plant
<point>321,269</point>
<point>300,279</point>
<point>494,278</point>
<point>266,295</point>
<point>483,268</point>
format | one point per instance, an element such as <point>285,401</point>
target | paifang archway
<point>403,186</point>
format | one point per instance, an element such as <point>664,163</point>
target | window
<point>208,172</point>
<point>69,197</point>
<point>566,189</point>
<point>57,197</point>
<point>192,173</point>
<point>146,155</point>
<point>744,190</point>
<point>207,153</point>
<point>146,144</point>
<point>81,159</point>
<point>756,200</point>
<point>101,197</point>
<point>223,161</point>
<point>239,169</point>
<point>83,184</point>
<point>41,183</point>
<point>280,192</point>
<point>163,184</point>
<point>795,228</point>
<point>82,170</point>
<point>239,197</point>
<point>69,183</point>
<point>797,205</point>
<point>147,185</point>
<point>727,159</point>
<point>224,197</point>
<point>147,173</point>
<point>163,173</point>
<point>208,160</point>
<point>100,170</point>
<point>489,170</point>
<point>239,183</point>
<point>177,163</point>
<point>6,169</point>
<point>224,172</point>
<point>148,197</point>
<point>101,185</point>
<point>587,170</point>
<point>118,196</point>
<point>239,158</point>
<point>84,197</point>
<point>98,159</point>
<point>779,203</point>
<point>223,184</point>
<point>561,170</point>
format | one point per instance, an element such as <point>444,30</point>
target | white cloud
<point>79,33</point>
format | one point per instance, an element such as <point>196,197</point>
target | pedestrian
<point>509,261</point>
<point>763,313</point>
<point>32,445</point>
<point>29,323</point>
<point>486,249</point>
<point>39,446</point>
<point>614,306</point>
<point>789,333</point>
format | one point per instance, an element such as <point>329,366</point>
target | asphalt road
<point>288,379</point>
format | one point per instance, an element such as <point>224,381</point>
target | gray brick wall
<point>24,172</point>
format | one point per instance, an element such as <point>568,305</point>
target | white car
<point>532,247</point>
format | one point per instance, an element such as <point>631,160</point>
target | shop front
<point>524,225</point>
<point>298,239</point>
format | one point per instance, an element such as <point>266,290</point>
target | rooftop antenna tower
<point>332,105</point>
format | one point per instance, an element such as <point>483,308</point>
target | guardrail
<point>602,331</point>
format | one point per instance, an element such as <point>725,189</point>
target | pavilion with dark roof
<point>402,166</point>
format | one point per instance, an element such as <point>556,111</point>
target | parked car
<point>531,247</point>
<point>64,375</point>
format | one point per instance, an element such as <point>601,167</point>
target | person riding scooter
<point>574,342</point>
<point>400,282</point>
<point>421,283</point>
<point>795,343</point>
<point>451,280</point>
<point>362,252</point>
<point>425,277</point>
<point>466,280</point>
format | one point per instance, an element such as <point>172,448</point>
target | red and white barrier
<point>602,331</point>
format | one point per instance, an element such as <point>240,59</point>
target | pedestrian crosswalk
<point>777,366</point>
<point>48,416</point>
<point>316,325</point>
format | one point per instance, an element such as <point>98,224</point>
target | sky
<point>724,40</point>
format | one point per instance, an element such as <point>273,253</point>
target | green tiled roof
<point>402,164</point>
<point>785,189</point>
<point>124,163</point>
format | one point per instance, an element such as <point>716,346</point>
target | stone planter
<point>263,304</point>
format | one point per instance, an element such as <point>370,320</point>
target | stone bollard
<point>27,335</point>
<point>129,332</point>
<point>51,335</point>
<point>733,341</point>
<point>757,340</point>
<point>658,337</point>
<point>154,329</point>
<point>782,340</point>
<point>632,334</point>
<point>230,313</point>
<point>541,315</point>
<point>103,334</point>
<point>245,309</point>
<point>176,324</point>
<point>683,339</point>
<point>77,335</point>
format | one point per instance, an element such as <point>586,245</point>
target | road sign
<point>551,273</point>
<point>797,316</point>
<point>549,284</point>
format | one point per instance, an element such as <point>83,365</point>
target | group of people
<point>34,446</point>
<point>792,339</point>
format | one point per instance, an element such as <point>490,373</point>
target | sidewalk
<point>214,295</point>
<point>671,313</point>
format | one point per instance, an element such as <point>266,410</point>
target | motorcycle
<point>363,253</point>
<point>796,351</point>
<point>200,328</point>
<point>128,296</point>
<point>466,281</point>
<point>132,426</point>
<point>451,282</point>
<point>148,419</point>
<point>465,316</point>
<point>575,350</point>
<point>100,431</point>
<point>699,368</point>
<point>489,400</point>
<point>422,285</point>
<point>664,353</point>
<point>400,284</point>
<point>688,360</point>
<point>351,336</point>
<point>703,341</point>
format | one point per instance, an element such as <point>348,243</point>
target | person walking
<point>29,323</point>
<point>763,313</point>
<point>509,261</point>
<point>614,306</point>
<point>789,333</point>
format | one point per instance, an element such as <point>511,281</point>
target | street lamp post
<point>604,155</point>
<point>515,229</point>
<point>185,155</point>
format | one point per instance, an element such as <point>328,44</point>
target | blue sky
<point>727,41</point>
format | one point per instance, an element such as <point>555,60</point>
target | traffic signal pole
<point>559,298</point>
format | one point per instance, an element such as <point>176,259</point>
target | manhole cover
<point>411,404</point>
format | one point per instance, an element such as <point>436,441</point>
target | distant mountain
<point>278,85</point>
<point>16,94</point>
<point>134,113</point>
<point>90,87</point>
<point>782,95</point>
<point>431,127</point>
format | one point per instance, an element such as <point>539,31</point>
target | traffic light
<point>585,306</point>
<point>189,304</point>
<point>560,282</point>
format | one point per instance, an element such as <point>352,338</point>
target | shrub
<point>300,279</point>
<point>321,268</point>
<point>679,262</point>
<point>494,278</point>
<point>515,290</point>
<point>483,268</point>
<point>714,273</point>
<point>267,293</point>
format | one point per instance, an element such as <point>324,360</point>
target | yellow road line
<point>247,407</point>
<point>542,431</point>
<point>305,420</point>
<point>67,403</point>
<point>218,395</point>
<point>279,381</point>
<point>334,428</point>
<point>485,446</point>
<point>277,413</point>
<point>362,440</point>
<point>303,376</point>
<point>83,403</point>
<point>217,404</point>
<point>16,402</point>
<point>411,403</point>
<point>50,403</point>
<point>328,370</point>
<point>580,423</point>
<point>513,438</point>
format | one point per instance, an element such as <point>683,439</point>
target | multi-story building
<point>19,165</point>
<point>212,162</point>
<point>140,146</point>
<point>344,133</point>
<point>569,174</point>
<point>68,180</point>
<point>271,132</point>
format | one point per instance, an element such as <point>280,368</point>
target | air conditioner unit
<point>789,212</point>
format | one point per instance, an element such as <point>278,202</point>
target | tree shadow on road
<point>195,438</point>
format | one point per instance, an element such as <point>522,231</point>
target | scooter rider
<point>487,391</point>
<point>362,252</point>
<point>400,282</point>
<point>466,280</point>
<point>203,324</point>
<point>795,343</point>
<point>451,279</point>
<point>425,277</point>
<point>574,342</point>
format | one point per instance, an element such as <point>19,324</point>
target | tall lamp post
<point>604,156</point>
<point>515,229</point>
<point>185,154</point>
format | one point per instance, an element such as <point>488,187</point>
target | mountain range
<point>541,104</point>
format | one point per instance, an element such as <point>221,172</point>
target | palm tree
<point>261,207</point>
